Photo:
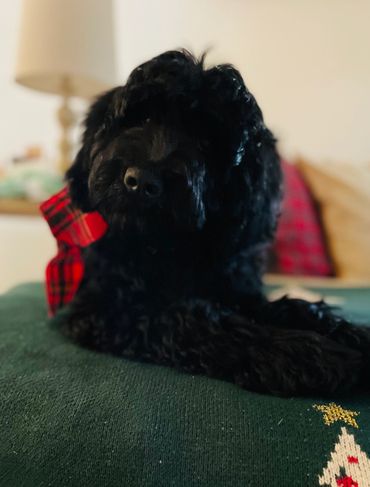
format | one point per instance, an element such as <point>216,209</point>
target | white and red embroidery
<point>349,465</point>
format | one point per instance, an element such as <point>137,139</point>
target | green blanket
<point>72,417</point>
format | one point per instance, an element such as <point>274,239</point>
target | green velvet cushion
<point>72,417</point>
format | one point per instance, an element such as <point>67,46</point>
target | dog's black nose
<point>143,182</point>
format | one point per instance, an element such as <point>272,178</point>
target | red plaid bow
<point>72,230</point>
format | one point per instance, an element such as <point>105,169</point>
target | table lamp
<point>66,47</point>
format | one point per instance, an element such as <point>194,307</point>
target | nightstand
<point>26,244</point>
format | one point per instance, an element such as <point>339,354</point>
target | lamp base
<point>66,120</point>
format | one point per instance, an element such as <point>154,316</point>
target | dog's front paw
<point>301,362</point>
<point>357,338</point>
<point>88,330</point>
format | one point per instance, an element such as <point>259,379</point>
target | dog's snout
<point>143,182</point>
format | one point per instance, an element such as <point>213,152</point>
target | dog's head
<point>179,147</point>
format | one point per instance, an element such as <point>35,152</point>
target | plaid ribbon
<point>73,230</point>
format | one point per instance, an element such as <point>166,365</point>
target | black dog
<point>182,167</point>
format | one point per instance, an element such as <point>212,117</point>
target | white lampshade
<point>67,41</point>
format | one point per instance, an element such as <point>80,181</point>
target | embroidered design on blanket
<point>349,464</point>
<point>333,412</point>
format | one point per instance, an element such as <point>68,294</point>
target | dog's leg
<point>202,338</point>
<point>319,317</point>
<point>297,314</point>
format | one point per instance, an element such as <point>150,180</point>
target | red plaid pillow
<point>72,230</point>
<point>300,243</point>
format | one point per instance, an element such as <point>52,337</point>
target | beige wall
<point>307,61</point>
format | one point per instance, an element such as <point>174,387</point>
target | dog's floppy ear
<point>233,110</point>
<point>99,120</point>
<point>76,179</point>
<point>253,191</point>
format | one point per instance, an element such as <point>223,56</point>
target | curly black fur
<point>177,278</point>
